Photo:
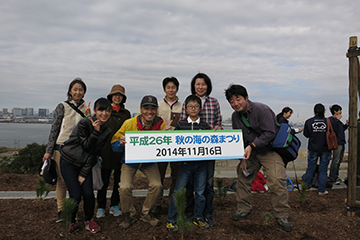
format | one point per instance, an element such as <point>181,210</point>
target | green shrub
<point>28,160</point>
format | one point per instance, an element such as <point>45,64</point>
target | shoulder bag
<point>331,136</point>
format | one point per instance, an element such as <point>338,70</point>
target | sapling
<point>42,189</point>
<point>67,209</point>
<point>268,216</point>
<point>221,191</point>
<point>303,192</point>
<point>180,204</point>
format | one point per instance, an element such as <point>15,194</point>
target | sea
<point>18,135</point>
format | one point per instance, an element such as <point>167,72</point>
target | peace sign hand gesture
<point>167,126</point>
<point>87,109</point>
<point>96,124</point>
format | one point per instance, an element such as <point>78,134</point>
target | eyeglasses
<point>193,107</point>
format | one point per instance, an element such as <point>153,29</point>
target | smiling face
<point>193,109</point>
<point>170,91</point>
<point>239,103</point>
<point>117,99</point>
<point>200,87</point>
<point>102,115</point>
<point>148,113</point>
<point>77,92</point>
<point>287,115</point>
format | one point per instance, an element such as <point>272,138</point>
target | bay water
<point>18,135</point>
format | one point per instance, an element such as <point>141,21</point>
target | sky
<point>286,53</point>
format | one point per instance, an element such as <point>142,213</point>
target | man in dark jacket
<point>257,153</point>
<point>338,154</point>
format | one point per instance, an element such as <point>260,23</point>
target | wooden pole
<point>353,92</point>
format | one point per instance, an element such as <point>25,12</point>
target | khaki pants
<point>276,180</point>
<point>125,188</point>
<point>60,184</point>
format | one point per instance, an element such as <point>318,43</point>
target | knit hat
<point>117,89</point>
<point>149,100</point>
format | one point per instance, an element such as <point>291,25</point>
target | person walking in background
<point>195,170</point>
<point>112,160</point>
<point>284,116</point>
<point>67,114</point>
<point>315,129</point>
<point>258,153</point>
<point>338,154</point>
<point>169,110</point>
<point>145,121</point>
<point>78,156</point>
<point>210,112</point>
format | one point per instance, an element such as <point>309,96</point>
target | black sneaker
<point>201,223</point>
<point>59,218</point>
<point>284,224</point>
<point>172,227</point>
<point>211,221</point>
<point>240,215</point>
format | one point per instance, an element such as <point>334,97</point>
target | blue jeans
<point>209,192</point>
<point>190,170</point>
<point>70,174</point>
<point>323,167</point>
<point>338,156</point>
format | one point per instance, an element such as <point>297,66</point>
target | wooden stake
<point>353,113</point>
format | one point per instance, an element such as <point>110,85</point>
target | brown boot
<point>128,221</point>
<point>149,218</point>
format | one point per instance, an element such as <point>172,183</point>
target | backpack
<point>286,144</point>
<point>49,171</point>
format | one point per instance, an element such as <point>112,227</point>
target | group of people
<point>78,141</point>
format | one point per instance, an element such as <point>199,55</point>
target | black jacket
<point>84,144</point>
<point>112,160</point>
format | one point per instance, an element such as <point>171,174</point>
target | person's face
<point>239,103</point>
<point>102,115</point>
<point>193,109</point>
<point>287,115</point>
<point>338,114</point>
<point>77,92</point>
<point>170,91</point>
<point>200,87</point>
<point>148,113</point>
<point>117,99</point>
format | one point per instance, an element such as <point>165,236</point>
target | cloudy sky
<point>286,53</point>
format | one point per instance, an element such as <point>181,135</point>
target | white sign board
<point>174,146</point>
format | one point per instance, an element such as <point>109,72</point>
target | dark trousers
<point>70,174</point>
<point>101,194</point>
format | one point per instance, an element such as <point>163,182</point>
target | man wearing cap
<point>146,120</point>
<point>110,159</point>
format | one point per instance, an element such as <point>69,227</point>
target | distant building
<point>5,111</point>
<point>28,112</point>
<point>17,112</point>
<point>43,112</point>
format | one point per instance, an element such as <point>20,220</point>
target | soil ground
<point>320,217</point>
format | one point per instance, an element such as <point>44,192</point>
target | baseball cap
<point>149,100</point>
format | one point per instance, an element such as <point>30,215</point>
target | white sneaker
<point>114,210</point>
<point>100,213</point>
